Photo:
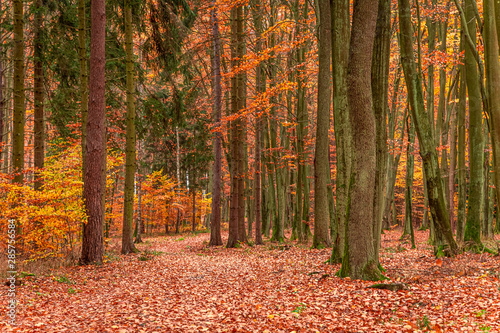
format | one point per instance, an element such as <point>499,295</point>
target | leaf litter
<point>185,286</point>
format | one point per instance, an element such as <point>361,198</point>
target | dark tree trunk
<point>215,236</point>
<point>39,128</point>
<point>92,244</point>
<point>233,212</point>
<point>321,154</point>
<point>19,94</point>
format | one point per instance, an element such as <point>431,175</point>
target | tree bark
<point>130,150</point>
<point>340,56</point>
<point>39,126</point>
<point>19,93</point>
<point>215,235</point>
<point>360,261</point>
<point>435,188</point>
<point>321,160</point>
<point>476,148</point>
<point>92,244</point>
<point>380,92</point>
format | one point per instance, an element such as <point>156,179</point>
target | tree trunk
<point>340,55</point>
<point>476,148</point>
<point>461,174</point>
<point>139,223</point>
<point>233,214</point>
<point>215,235</point>
<point>39,126</point>
<point>92,244</point>
<point>19,93</point>
<point>380,91</point>
<point>360,261</point>
<point>130,151</point>
<point>435,188</point>
<point>321,154</point>
<point>194,211</point>
<point>410,162</point>
<point>493,85</point>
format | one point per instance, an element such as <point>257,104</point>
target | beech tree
<point>360,261</point>
<point>19,93</point>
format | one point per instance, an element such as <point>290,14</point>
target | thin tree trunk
<point>321,161</point>
<point>410,162</point>
<point>39,126</point>
<point>340,55</point>
<point>130,150</point>
<point>19,93</point>
<point>139,223</point>
<point>215,226</point>
<point>92,244</point>
<point>233,214</point>
<point>461,168</point>
<point>380,92</point>
<point>476,149</point>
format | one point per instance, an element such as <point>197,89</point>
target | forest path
<point>177,284</point>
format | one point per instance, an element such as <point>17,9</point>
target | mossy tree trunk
<point>435,187</point>
<point>39,126</point>
<point>340,17</point>
<point>380,92</point>
<point>130,150</point>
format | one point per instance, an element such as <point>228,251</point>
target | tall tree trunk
<point>2,103</point>
<point>260,83</point>
<point>476,149</point>
<point>19,94</point>
<point>194,210</point>
<point>321,159</point>
<point>39,127</point>
<point>461,174</point>
<point>130,151</point>
<point>435,188</point>
<point>380,92</point>
<point>360,261</point>
<point>233,214</point>
<point>242,135</point>
<point>215,235</point>
<point>92,244</point>
<point>492,41</point>
<point>84,94</point>
<point>340,55</point>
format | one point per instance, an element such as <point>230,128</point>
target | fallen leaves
<point>188,287</point>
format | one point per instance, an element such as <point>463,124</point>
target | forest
<point>250,166</point>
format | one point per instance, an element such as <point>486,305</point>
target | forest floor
<point>178,284</point>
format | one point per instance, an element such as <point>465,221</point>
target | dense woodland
<point>321,123</point>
